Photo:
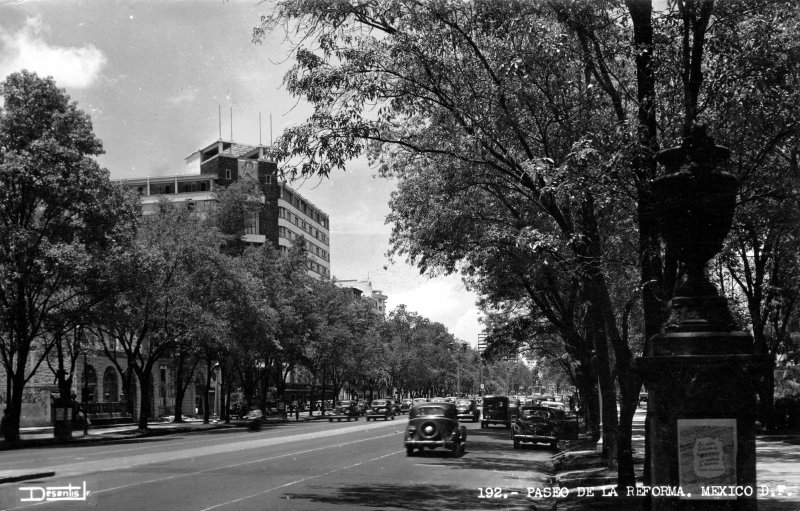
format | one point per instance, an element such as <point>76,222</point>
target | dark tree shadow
<point>433,497</point>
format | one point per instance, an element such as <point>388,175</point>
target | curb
<point>133,433</point>
<point>26,477</point>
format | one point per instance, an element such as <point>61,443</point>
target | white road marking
<point>178,476</point>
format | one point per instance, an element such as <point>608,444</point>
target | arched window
<point>90,383</point>
<point>110,388</point>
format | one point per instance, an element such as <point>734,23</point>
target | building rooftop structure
<point>363,289</point>
<point>286,217</point>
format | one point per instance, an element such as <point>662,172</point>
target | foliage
<point>59,214</point>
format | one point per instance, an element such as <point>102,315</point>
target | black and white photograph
<point>288,255</point>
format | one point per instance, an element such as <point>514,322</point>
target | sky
<point>154,76</point>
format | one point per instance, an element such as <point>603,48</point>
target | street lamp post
<point>700,371</point>
<point>85,395</point>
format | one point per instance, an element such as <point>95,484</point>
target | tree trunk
<point>206,392</point>
<point>14,406</point>
<point>146,396</point>
<point>629,391</point>
<point>180,390</point>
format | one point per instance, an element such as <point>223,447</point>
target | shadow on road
<point>395,497</point>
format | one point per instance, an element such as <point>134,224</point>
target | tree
<point>59,213</point>
<point>155,303</point>
<point>550,101</point>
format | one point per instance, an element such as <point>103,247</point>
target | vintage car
<point>537,424</point>
<point>467,409</point>
<point>380,409</point>
<point>344,410</point>
<point>432,425</point>
<point>405,405</point>
<point>395,406</point>
<point>554,404</point>
<point>496,411</point>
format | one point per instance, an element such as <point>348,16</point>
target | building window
<point>190,206</point>
<point>227,173</point>
<point>252,227</point>
<point>110,388</point>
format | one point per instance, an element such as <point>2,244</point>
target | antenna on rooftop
<point>259,128</point>
<point>270,129</point>
<point>231,124</point>
<point>219,119</point>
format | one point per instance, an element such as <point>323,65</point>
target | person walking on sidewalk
<point>4,429</point>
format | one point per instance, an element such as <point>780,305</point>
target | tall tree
<point>560,103</point>
<point>58,214</point>
<point>155,303</point>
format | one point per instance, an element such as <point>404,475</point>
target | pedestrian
<point>4,424</point>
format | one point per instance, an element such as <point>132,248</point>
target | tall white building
<point>286,217</point>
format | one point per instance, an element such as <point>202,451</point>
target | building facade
<point>285,218</point>
<point>363,289</point>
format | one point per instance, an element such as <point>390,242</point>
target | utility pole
<point>85,396</point>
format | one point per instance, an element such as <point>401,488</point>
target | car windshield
<point>431,410</point>
<point>379,402</point>
<point>529,413</point>
<point>463,402</point>
<point>342,403</point>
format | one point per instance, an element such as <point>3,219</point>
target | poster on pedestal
<point>706,458</point>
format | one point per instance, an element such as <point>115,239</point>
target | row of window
<point>266,178</point>
<point>301,205</point>
<point>312,265</point>
<point>289,234</point>
<point>169,188</point>
<point>299,222</point>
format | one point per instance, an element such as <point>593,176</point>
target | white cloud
<point>28,49</point>
<point>445,301</point>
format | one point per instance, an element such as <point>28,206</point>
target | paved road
<point>289,467</point>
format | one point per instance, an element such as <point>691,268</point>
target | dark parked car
<point>395,406</point>
<point>537,424</point>
<point>432,425</point>
<point>467,409</point>
<point>496,411</point>
<point>344,410</point>
<point>380,409</point>
<point>513,406</point>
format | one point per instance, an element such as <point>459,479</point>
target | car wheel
<point>554,445</point>
<point>516,444</point>
<point>455,451</point>
<point>330,420</point>
<point>409,451</point>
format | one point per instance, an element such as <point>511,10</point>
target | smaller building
<point>363,289</point>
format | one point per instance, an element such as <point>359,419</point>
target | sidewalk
<point>580,468</point>
<point>43,437</point>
